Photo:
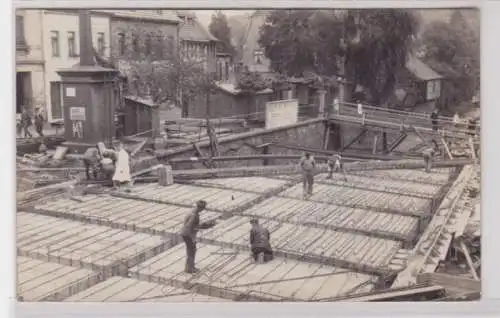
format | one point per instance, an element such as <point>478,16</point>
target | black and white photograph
<point>236,155</point>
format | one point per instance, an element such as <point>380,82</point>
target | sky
<point>204,16</point>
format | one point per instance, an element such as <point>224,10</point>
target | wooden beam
<point>465,250</point>
<point>200,154</point>
<point>375,139</point>
<point>355,139</point>
<point>397,142</point>
<point>446,148</point>
<point>472,149</point>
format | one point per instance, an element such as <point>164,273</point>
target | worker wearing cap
<point>260,242</point>
<point>307,166</point>
<point>188,232</point>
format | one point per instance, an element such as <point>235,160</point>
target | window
<point>135,43</point>
<point>20,39</point>
<point>121,43</point>
<point>160,12</point>
<point>147,45</point>
<point>54,42</point>
<point>56,100</point>
<point>71,44</point>
<point>159,47</point>
<point>101,43</point>
<point>258,56</point>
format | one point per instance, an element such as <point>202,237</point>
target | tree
<point>156,67</point>
<point>375,44</point>
<point>454,45</point>
<point>299,41</point>
<point>219,28</point>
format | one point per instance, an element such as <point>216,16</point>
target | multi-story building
<point>143,34</point>
<point>197,43</point>
<point>61,48</point>
<point>30,82</point>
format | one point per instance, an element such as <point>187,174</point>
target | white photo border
<point>490,97</point>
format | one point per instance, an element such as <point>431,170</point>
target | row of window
<point>149,45</point>
<point>71,41</point>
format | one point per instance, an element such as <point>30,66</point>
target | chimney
<point>86,48</point>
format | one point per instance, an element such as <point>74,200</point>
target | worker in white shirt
<point>335,165</point>
<point>307,165</point>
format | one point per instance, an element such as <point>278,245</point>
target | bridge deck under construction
<point>124,246</point>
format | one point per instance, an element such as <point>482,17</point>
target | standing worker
<point>335,165</point>
<point>122,168</point>
<point>434,119</point>
<point>307,165</point>
<point>260,242</point>
<point>188,233</point>
<point>428,154</point>
<point>39,121</point>
<point>26,123</point>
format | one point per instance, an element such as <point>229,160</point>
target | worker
<point>188,233</point>
<point>39,121</point>
<point>456,120</point>
<point>428,154</point>
<point>307,166</point>
<point>335,165</point>
<point>91,160</point>
<point>434,119</point>
<point>260,242</point>
<point>26,123</point>
<point>122,167</point>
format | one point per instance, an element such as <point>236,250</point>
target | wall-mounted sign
<point>70,92</point>
<point>281,113</point>
<point>77,113</point>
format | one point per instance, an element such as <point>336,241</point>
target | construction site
<point>389,227</point>
<point>388,231</point>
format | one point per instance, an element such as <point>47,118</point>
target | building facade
<point>30,81</point>
<point>60,36</point>
<point>197,43</point>
<point>143,34</point>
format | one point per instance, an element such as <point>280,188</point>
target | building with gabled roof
<point>196,41</point>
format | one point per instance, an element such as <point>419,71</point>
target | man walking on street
<point>307,165</point>
<point>188,232</point>
<point>260,242</point>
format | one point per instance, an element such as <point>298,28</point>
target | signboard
<point>77,113</point>
<point>282,113</point>
<point>70,92</point>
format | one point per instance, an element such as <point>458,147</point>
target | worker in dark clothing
<point>91,160</point>
<point>307,165</point>
<point>434,119</point>
<point>260,242</point>
<point>188,232</point>
<point>39,121</point>
<point>26,123</point>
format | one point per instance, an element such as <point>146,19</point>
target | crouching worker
<point>260,242</point>
<point>91,160</point>
<point>188,232</point>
